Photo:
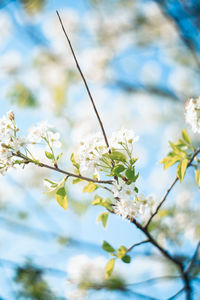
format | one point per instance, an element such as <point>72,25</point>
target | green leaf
<point>76,180</point>
<point>126,259</point>
<point>118,156</point>
<point>121,251</point>
<point>61,197</point>
<point>109,268</point>
<point>169,161</point>
<point>186,137</point>
<point>53,184</point>
<point>197,176</point>
<point>49,155</point>
<point>117,170</point>
<point>75,164</point>
<point>181,169</point>
<point>59,156</point>
<point>103,217</point>
<point>102,202</point>
<point>90,187</point>
<point>107,247</point>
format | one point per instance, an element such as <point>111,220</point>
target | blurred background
<point>141,59</point>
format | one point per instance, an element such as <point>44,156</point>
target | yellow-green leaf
<point>169,161</point>
<point>103,202</point>
<point>121,251</point>
<point>90,187</point>
<point>181,169</point>
<point>116,155</point>
<point>103,217</point>
<point>109,268</point>
<point>186,137</point>
<point>197,176</point>
<point>61,197</point>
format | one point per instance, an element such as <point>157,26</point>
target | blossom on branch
<point>192,114</point>
<point>43,131</point>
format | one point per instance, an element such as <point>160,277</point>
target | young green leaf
<point>118,156</point>
<point>186,137</point>
<point>75,164</point>
<point>197,176</point>
<point>59,156</point>
<point>126,259</point>
<point>121,251</point>
<point>181,169</point>
<point>107,247</point>
<point>109,268</point>
<point>90,187</point>
<point>61,197</point>
<point>117,170</point>
<point>103,202</point>
<point>49,155</point>
<point>103,217</point>
<point>169,161</point>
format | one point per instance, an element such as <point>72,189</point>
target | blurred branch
<point>149,89</point>
<point>187,40</point>
<point>192,262</point>
<point>177,294</point>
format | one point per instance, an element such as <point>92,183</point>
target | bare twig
<point>84,80</point>
<point>138,244</point>
<point>69,174</point>
<point>196,152</point>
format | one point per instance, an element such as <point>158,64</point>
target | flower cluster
<point>192,114</point>
<point>127,203</point>
<point>14,148</point>
<point>43,132</point>
<point>85,273</point>
<point>91,155</point>
<point>9,141</point>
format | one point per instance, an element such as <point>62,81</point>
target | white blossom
<point>123,136</point>
<point>93,147</point>
<point>43,131</point>
<point>127,203</point>
<point>192,114</point>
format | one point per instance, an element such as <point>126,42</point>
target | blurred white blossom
<point>192,114</point>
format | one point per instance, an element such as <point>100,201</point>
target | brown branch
<point>69,174</point>
<point>138,244</point>
<point>196,152</point>
<point>84,80</point>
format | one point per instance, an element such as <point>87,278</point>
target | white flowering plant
<point>106,162</point>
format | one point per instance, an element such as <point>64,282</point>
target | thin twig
<point>169,189</point>
<point>138,244</point>
<point>152,280</point>
<point>84,80</point>
<point>177,294</point>
<point>190,265</point>
<point>69,174</point>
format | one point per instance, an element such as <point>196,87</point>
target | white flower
<point>123,190</point>
<point>123,136</point>
<point>43,131</point>
<point>93,147</point>
<point>127,203</point>
<point>192,114</point>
